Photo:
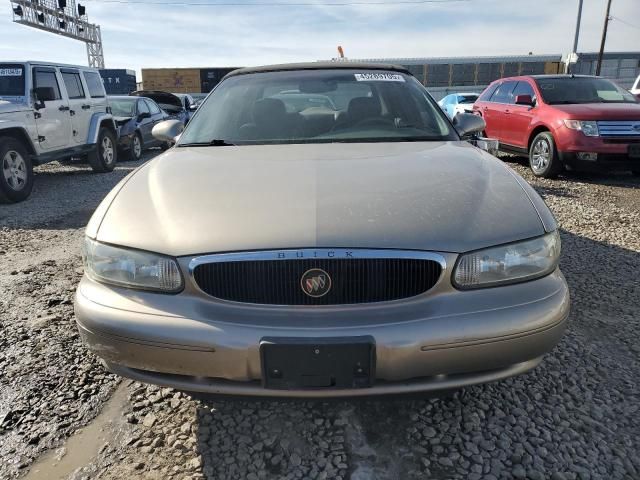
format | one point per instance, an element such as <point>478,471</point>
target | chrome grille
<point>619,128</point>
<point>357,276</point>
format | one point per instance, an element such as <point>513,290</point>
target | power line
<point>626,23</point>
<point>280,4</point>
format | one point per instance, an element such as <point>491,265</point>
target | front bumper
<point>444,339</point>
<point>613,154</point>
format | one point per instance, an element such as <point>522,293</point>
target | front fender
<point>97,119</point>
<point>15,128</point>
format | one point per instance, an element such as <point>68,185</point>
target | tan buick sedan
<point>321,230</point>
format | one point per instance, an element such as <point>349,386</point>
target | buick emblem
<point>315,282</point>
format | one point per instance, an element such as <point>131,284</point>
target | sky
<point>137,35</point>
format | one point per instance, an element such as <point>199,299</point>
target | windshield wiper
<point>212,143</point>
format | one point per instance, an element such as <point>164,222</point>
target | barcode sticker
<point>379,77</point>
<point>10,72</point>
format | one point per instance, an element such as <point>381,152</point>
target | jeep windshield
<point>11,80</point>
<point>572,90</point>
<point>317,106</point>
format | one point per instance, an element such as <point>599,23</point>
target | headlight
<point>516,262</point>
<point>589,127</point>
<point>131,268</point>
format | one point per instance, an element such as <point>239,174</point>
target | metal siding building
<point>444,75</point>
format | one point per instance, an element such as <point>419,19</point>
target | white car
<point>636,87</point>
<point>51,112</point>
<point>456,103</point>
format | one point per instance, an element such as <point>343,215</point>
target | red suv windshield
<point>571,90</point>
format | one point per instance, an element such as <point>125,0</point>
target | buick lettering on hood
<point>322,230</point>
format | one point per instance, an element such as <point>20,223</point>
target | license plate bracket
<point>317,364</point>
<point>634,150</point>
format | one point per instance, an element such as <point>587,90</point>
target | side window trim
<point>87,74</point>
<point>76,79</point>
<point>529,91</point>
<point>35,72</point>
<point>505,83</point>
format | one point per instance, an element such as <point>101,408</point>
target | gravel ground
<point>574,417</point>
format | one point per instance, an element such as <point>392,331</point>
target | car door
<point>496,110</point>
<point>79,107</point>
<point>52,117</point>
<point>518,117</point>
<point>157,116</point>
<point>145,122</point>
<point>97,94</point>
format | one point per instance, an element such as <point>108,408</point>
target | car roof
<point>541,77</point>
<point>124,97</point>
<point>50,64</point>
<point>284,67</point>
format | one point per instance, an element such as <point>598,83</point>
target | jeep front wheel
<point>104,157</point>
<point>16,177</point>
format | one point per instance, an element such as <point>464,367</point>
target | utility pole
<point>604,38</point>
<point>575,38</point>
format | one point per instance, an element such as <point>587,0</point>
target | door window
<point>523,88</point>
<point>94,84</point>
<point>142,107</point>
<point>486,95</point>
<point>73,84</point>
<point>503,94</point>
<point>44,77</point>
<point>153,108</point>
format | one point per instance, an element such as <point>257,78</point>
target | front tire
<point>135,148</point>
<point>16,171</point>
<point>104,157</point>
<point>543,156</point>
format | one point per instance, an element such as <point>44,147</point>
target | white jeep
<point>51,112</point>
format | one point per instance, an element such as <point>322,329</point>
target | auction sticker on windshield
<point>379,77</point>
<point>10,72</point>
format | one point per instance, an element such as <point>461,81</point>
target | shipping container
<point>118,81</point>
<point>175,80</point>
<point>210,77</point>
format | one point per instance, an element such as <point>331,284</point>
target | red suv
<point>578,122</point>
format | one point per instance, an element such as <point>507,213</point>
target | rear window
<point>94,84</point>
<point>11,80</point>
<point>467,98</point>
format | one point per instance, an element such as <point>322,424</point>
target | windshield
<point>123,107</point>
<point>570,90</point>
<point>11,80</point>
<point>318,106</point>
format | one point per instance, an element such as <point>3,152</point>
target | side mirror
<point>193,107</point>
<point>524,100</point>
<point>143,115</point>
<point>44,94</point>
<point>468,124</point>
<point>168,130</point>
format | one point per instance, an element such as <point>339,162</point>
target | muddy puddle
<point>84,445</point>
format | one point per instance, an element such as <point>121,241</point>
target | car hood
<point>601,111</point>
<point>441,196</point>
<point>122,120</point>
<point>7,106</point>
<point>159,96</point>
